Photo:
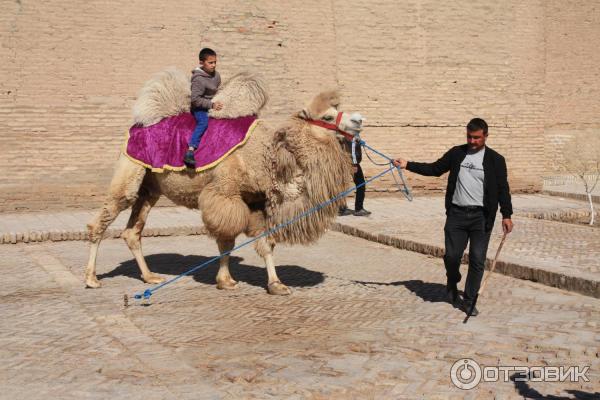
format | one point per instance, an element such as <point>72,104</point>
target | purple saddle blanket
<point>163,145</point>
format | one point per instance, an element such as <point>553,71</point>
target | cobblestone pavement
<point>27,224</point>
<point>561,250</point>
<point>556,254</point>
<point>364,321</point>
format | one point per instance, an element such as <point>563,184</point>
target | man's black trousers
<point>466,224</point>
<point>360,192</point>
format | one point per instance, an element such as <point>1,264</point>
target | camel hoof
<point>279,289</point>
<point>153,279</point>
<point>92,282</point>
<point>228,284</point>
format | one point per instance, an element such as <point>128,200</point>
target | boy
<point>205,82</point>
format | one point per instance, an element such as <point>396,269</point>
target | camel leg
<point>264,247</point>
<point>133,233</point>
<point>91,280</point>
<point>110,210</point>
<point>224,279</point>
<point>123,192</point>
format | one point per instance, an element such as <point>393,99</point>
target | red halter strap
<point>332,127</point>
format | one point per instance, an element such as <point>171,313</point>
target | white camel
<point>276,175</point>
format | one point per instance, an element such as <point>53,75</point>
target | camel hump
<point>166,94</point>
<point>242,95</point>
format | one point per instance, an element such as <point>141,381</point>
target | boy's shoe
<point>362,213</point>
<point>189,160</point>
<point>345,211</point>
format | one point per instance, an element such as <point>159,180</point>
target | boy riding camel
<point>205,83</point>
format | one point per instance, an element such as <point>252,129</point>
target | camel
<point>276,175</point>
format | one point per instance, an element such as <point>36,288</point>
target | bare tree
<point>581,158</point>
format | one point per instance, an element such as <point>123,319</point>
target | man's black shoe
<point>466,307</point>
<point>451,293</point>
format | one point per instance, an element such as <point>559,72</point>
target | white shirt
<point>469,185</point>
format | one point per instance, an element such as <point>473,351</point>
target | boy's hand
<point>217,105</point>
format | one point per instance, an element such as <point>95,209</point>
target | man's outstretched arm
<point>436,168</point>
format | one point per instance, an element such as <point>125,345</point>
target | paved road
<point>364,321</point>
<point>559,254</point>
<point>540,249</point>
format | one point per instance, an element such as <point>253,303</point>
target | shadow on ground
<point>428,291</point>
<point>175,264</point>
<point>523,388</point>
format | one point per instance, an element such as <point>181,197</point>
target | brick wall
<point>417,70</point>
<point>572,73</point>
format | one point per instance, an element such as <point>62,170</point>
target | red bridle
<point>332,127</point>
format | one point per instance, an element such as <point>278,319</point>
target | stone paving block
<point>365,320</point>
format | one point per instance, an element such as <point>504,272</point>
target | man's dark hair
<point>477,124</point>
<point>205,52</point>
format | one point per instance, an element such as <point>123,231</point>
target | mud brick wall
<point>418,70</point>
<point>572,78</point>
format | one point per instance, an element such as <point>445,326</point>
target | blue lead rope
<point>402,185</point>
<point>406,191</point>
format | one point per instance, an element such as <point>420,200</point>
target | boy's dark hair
<point>477,124</point>
<point>205,52</point>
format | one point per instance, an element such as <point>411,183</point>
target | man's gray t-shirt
<point>469,185</point>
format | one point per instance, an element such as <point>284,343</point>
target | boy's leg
<point>201,124</point>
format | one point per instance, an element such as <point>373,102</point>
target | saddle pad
<point>163,145</point>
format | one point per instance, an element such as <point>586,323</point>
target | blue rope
<point>148,292</point>
<point>403,186</point>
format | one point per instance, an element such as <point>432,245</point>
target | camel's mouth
<point>354,125</point>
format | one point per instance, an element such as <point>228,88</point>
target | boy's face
<point>209,65</point>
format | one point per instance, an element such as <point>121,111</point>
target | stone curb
<point>575,196</point>
<point>56,235</point>
<point>548,278</point>
<point>565,282</point>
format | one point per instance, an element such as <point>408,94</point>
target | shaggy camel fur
<point>276,175</point>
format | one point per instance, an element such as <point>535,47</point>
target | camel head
<point>323,111</point>
<point>310,168</point>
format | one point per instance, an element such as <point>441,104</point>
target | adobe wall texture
<point>418,70</point>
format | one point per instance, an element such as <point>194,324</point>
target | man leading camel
<point>477,183</point>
